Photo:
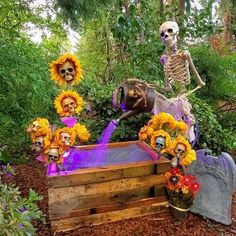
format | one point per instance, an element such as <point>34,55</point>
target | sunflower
<point>82,132</point>
<point>189,158</point>
<point>68,94</point>
<point>163,134</point>
<point>39,127</point>
<point>179,140</point>
<point>54,145</point>
<point>54,69</point>
<point>68,130</point>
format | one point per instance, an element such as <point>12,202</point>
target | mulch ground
<point>33,176</point>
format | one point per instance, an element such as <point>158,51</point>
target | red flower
<point>195,187</point>
<point>174,171</point>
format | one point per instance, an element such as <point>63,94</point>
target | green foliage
<point>26,93</point>
<point>17,213</point>
<point>212,135</point>
<point>73,11</point>
<point>218,72</point>
<point>100,97</point>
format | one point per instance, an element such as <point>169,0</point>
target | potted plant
<point>181,190</point>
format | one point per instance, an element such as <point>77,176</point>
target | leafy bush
<point>17,213</point>
<point>26,93</point>
<point>212,135</point>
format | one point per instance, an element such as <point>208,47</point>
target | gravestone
<point>217,176</point>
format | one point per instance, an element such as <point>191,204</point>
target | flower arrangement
<point>54,69</point>
<point>167,136</point>
<point>76,99</point>
<point>181,190</point>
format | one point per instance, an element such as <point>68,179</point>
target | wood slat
<point>100,218</point>
<point>111,207</point>
<point>60,194</point>
<point>92,201</point>
<point>97,175</point>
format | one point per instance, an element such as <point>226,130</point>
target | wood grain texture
<point>111,216</point>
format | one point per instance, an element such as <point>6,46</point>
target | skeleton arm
<point>188,57</point>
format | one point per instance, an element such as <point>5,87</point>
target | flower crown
<point>54,69</point>
<point>65,94</point>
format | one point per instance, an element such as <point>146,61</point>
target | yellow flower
<point>189,158</point>
<point>143,133</point>
<point>54,69</point>
<point>179,140</point>
<point>82,132</point>
<point>39,127</point>
<point>68,94</point>
<point>182,127</point>
<point>160,133</point>
<point>68,130</point>
<point>60,152</point>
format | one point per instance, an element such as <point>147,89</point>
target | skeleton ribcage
<point>176,69</point>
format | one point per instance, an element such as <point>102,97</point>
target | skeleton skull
<point>38,144</point>
<point>180,150</point>
<point>160,143</point>
<point>67,71</point>
<point>69,105</point>
<point>169,31</point>
<point>33,128</point>
<point>53,155</point>
<point>65,138</point>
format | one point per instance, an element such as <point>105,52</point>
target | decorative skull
<point>38,144</point>
<point>160,143</point>
<point>33,128</point>
<point>169,31</point>
<point>65,138</point>
<point>69,105</point>
<point>53,155</point>
<point>67,71</point>
<point>180,150</point>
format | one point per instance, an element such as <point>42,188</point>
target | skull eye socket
<point>70,69</point>
<point>170,30</point>
<point>38,144</point>
<point>180,150</point>
<point>63,71</point>
<point>51,157</point>
<point>162,34</point>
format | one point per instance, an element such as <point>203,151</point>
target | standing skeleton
<point>176,62</point>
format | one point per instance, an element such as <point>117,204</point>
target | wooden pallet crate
<point>93,196</point>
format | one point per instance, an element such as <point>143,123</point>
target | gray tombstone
<point>217,176</point>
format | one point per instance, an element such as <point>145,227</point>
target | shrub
<point>16,212</point>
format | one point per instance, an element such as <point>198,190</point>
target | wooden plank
<point>96,219</point>
<point>101,175</point>
<point>93,175</point>
<point>61,194</point>
<point>111,207</point>
<point>92,201</point>
<point>159,190</point>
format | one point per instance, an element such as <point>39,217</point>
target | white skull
<point>180,150</point>
<point>38,144</point>
<point>33,128</point>
<point>53,155</point>
<point>67,71</point>
<point>69,105</point>
<point>169,31</point>
<point>160,143</point>
<point>65,138</point>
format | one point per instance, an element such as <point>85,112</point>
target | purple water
<point>80,159</point>
<point>73,159</point>
<point>107,133</point>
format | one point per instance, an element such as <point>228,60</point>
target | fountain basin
<point>127,182</point>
